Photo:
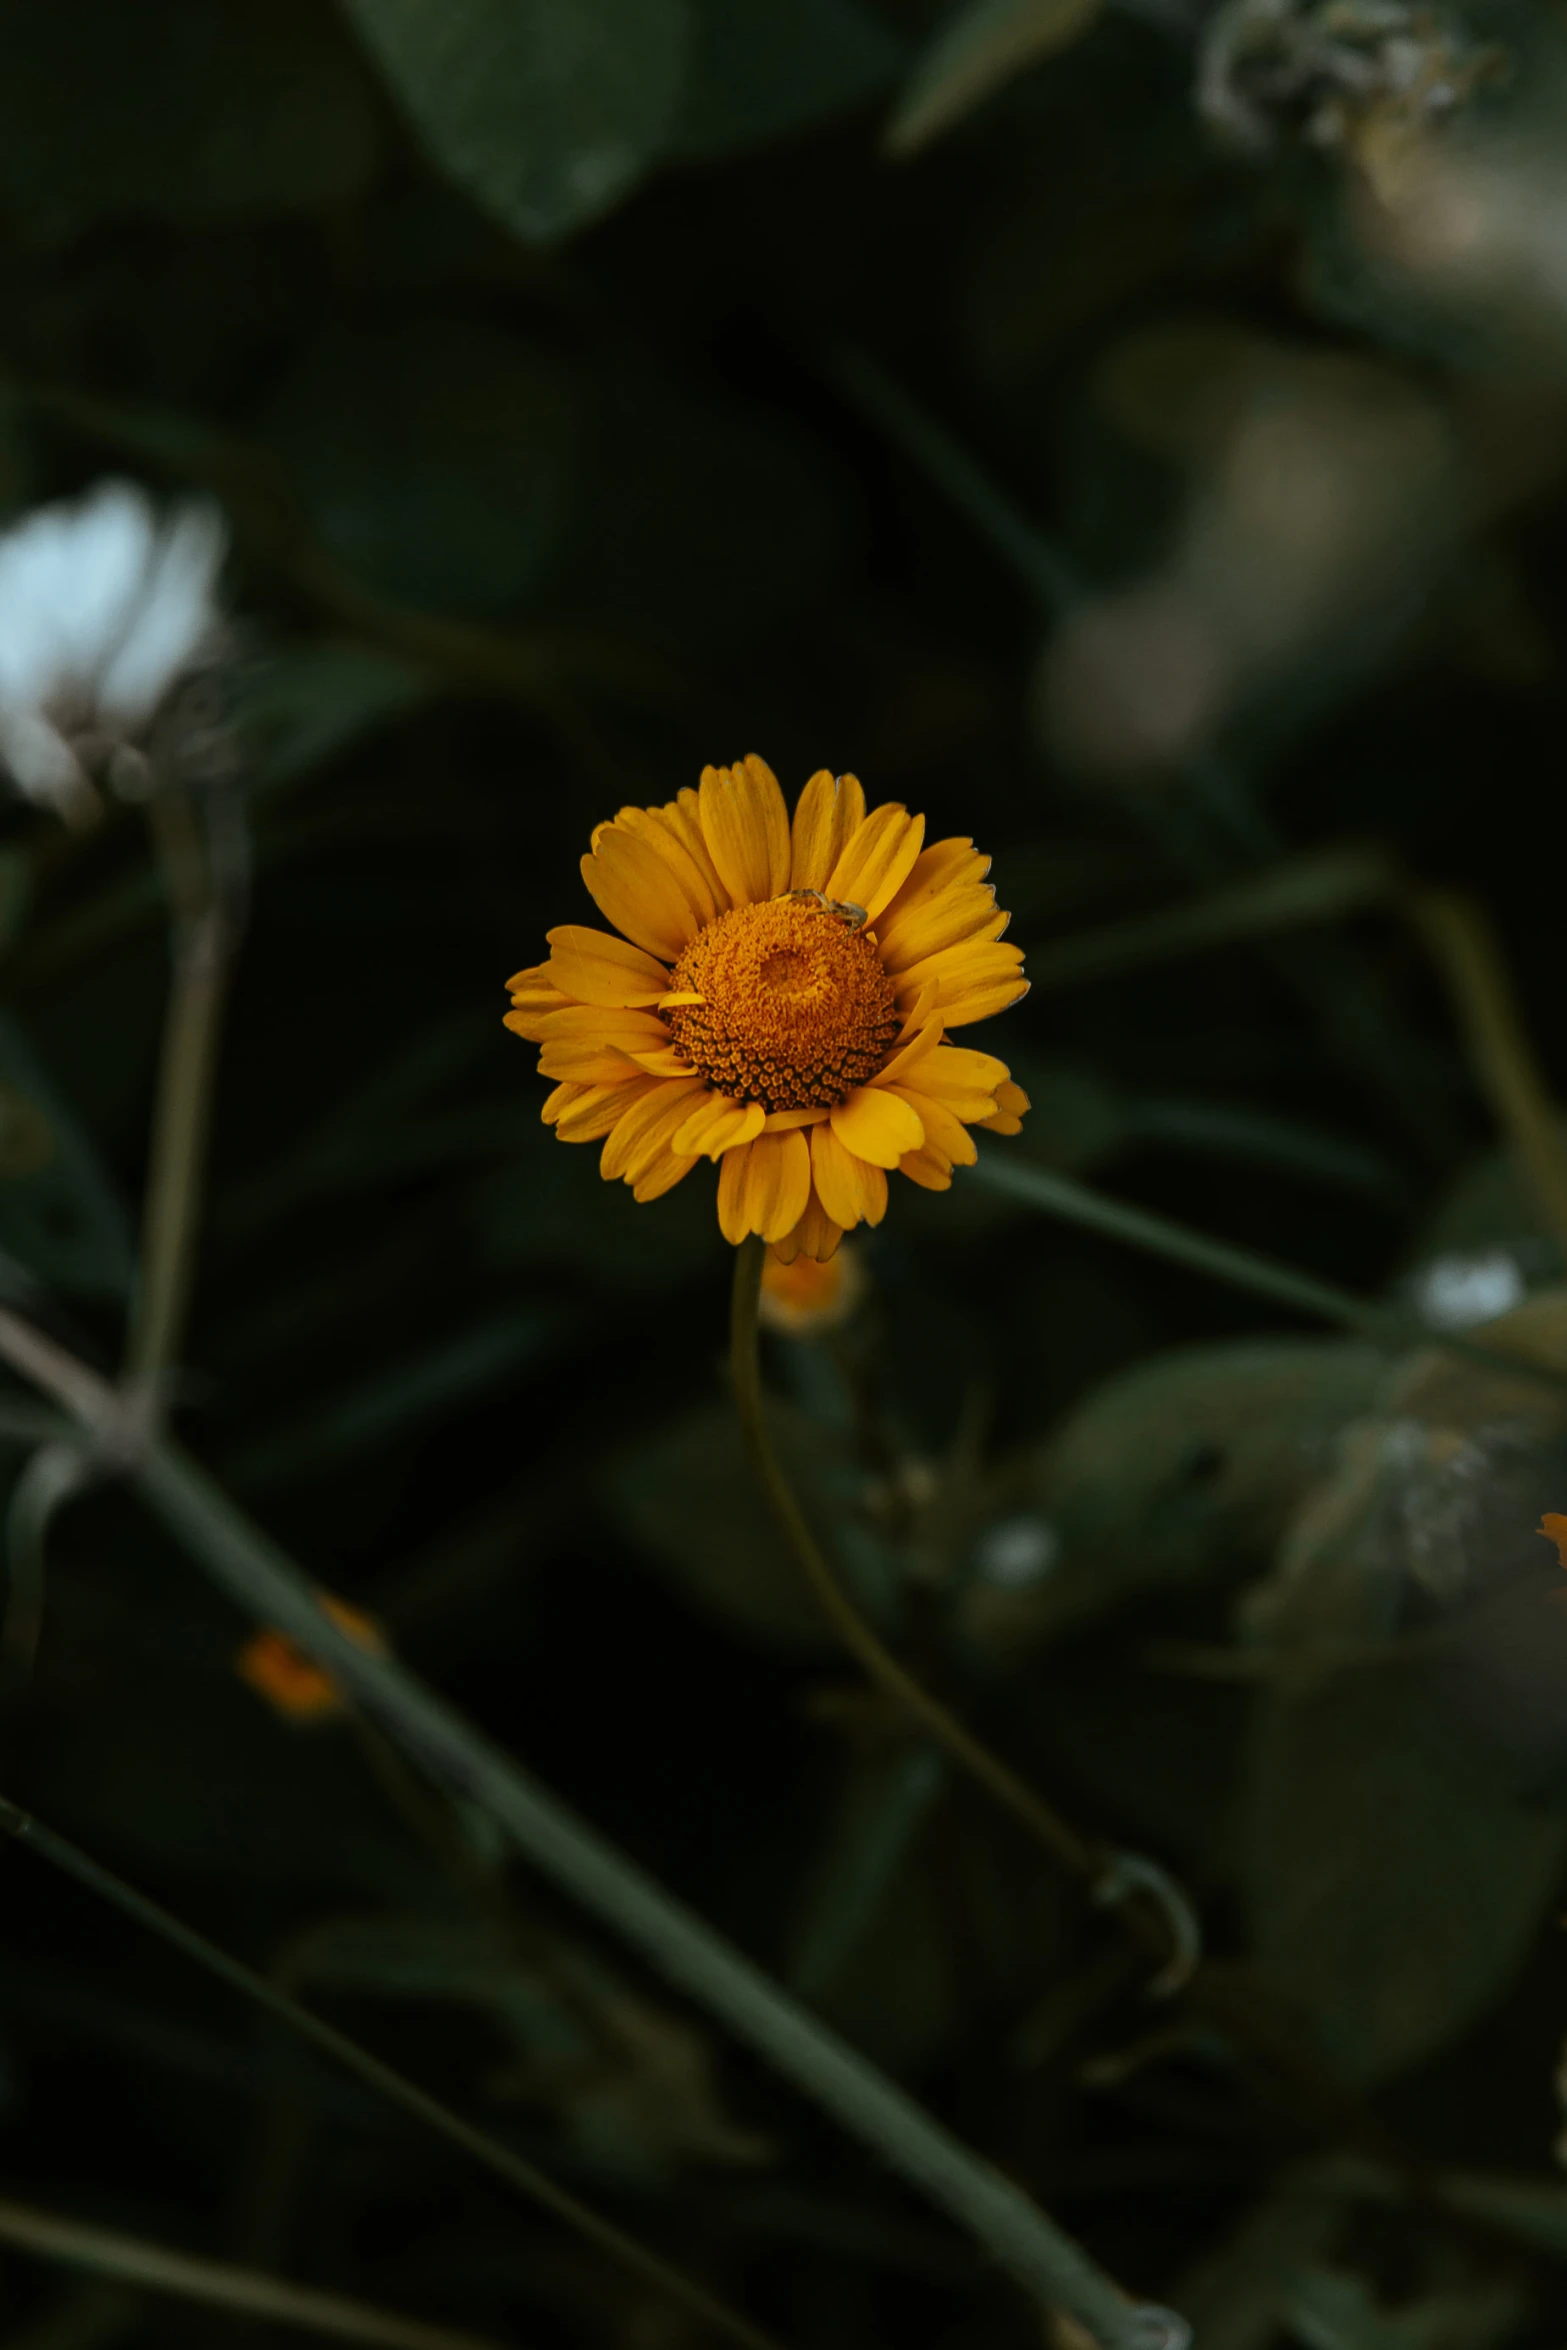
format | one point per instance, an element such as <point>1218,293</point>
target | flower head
<point>104,608</point>
<point>778,1000</point>
<point>292,1683</point>
<point>806,1299</point>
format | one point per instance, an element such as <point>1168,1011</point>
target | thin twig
<point>529,2181</point>
<point>1014,1795</point>
<point>1023,1178</point>
<point>57,1471</point>
<point>682,1946</point>
<point>159,2269</point>
<point>205,894</point>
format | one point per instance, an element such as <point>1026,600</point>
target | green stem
<point>680,1945</point>
<point>1046,1825</point>
<point>1463,943</point>
<point>624,2249</point>
<point>204,937</point>
<point>217,2285</point>
<point>1059,1195</point>
<point>1155,1924</point>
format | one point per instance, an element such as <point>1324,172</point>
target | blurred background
<point>1136,436</point>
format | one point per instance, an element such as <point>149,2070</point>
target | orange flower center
<point>796,1009</point>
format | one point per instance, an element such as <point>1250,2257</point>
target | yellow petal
<point>782,1121</point>
<point>626,1029</point>
<point>1011,1105</point>
<point>732,1171</point>
<point>644,1131</point>
<point>954,918</point>
<point>944,1130</point>
<point>530,1020</point>
<point>815,1236</point>
<point>876,1126</point>
<point>684,816</point>
<point>777,1184</point>
<point>910,1056</point>
<point>944,865</point>
<point>982,1000</point>
<point>746,827</point>
<point>662,1061</point>
<point>597,968</point>
<point>828,813</point>
<point>635,888</point>
<point>876,862</point>
<point>598,1108</point>
<point>918,1013</point>
<point>873,1191</point>
<point>966,1081</point>
<point>835,1172</point>
<point>717,1125</point>
<point>661,830</point>
<point>665,1172</point>
<point>928,1168</point>
<point>971,981</point>
<point>561,1100</point>
<point>585,1063</point>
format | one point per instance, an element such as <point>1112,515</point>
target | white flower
<point>104,606</point>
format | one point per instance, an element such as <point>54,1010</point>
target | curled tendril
<point>1132,1872</point>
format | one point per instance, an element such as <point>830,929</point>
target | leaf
<point>1401,1844</point>
<point>1394,1873</point>
<point>761,68</point>
<point>1183,1466</point>
<point>434,460</point>
<point>177,107</point>
<point>546,111</point>
<point>978,49</point>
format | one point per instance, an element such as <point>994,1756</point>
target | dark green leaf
<point>1395,1870</point>
<point>546,111</point>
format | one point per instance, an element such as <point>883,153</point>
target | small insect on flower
<point>852,917</point>
<point>292,1683</point>
<point>106,608</point>
<point>778,1000</point>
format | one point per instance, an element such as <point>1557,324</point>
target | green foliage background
<point>597,388</point>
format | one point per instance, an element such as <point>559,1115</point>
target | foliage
<point>1136,436</point>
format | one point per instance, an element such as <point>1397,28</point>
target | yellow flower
<point>292,1682</point>
<point>806,1299</point>
<point>778,1001</point>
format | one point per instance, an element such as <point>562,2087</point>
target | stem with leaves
<point>1018,2235</point>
